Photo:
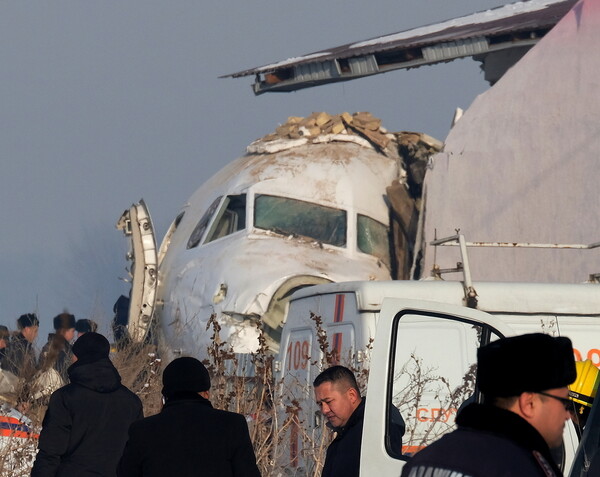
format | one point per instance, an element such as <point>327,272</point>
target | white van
<point>418,341</point>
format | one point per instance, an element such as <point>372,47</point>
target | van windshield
<point>295,217</point>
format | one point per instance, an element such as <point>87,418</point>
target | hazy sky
<point>104,103</point>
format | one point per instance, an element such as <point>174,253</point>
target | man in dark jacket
<point>524,381</point>
<point>338,397</point>
<point>85,427</point>
<point>57,353</point>
<point>189,437</point>
<point>19,358</point>
<point>4,336</point>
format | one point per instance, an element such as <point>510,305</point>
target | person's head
<point>85,326</point>
<point>91,347</point>
<point>28,325</point>
<point>185,376</point>
<point>583,391</point>
<point>4,334</point>
<point>64,325</point>
<point>529,375</point>
<point>337,394</point>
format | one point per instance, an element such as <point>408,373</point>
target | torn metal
<point>498,38</point>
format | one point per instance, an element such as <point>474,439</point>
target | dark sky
<point>104,103</point>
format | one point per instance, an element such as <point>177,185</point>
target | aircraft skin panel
<point>227,277</point>
<point>190,297</point>
<point>521,164</point>
<point>271,174</point>
<point>315,169</point>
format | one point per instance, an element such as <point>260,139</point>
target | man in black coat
<point>524,381</point>
<point>85,427</point>
<point>19,357</point>
<point>57,353</point>
<point>339,399</point>
<point>189,437</point>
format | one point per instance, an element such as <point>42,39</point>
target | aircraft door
<point>137,224</point>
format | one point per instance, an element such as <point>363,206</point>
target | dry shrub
<point>245,383</point>
<point>420,381</point>
<point>140,368</point>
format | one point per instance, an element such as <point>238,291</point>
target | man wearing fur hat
<point>188,437</point>
<point>85,427</point>
<point>524,382</point>
<point>84,325</point>
<point>20,356</point>
<point>56,353</point>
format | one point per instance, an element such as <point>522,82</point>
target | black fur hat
<point>64,321</point>
<point>91,347</point>
<point>185,375</point>
<point>525,363</point>
<point>85,326</point>
<point>28,319</point>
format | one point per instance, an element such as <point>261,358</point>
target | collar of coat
<point>187,397</point>
<point>504,423</point>
<point>356,417</point>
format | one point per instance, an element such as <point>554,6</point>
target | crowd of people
<point>31,376</point>
<point>94,425</point>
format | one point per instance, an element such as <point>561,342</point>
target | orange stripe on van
<point>338,311</point>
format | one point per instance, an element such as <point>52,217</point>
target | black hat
<point>91,347</point>
<point>28,319</point>
<point>64,321</point>
<point>185,375</point>
<point>85,326</point>
<point>525,363</point>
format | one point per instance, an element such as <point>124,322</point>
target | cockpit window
<point>230,218</point>
<point>373,238</point>
<point>199,230</point>
<point>295,217</point>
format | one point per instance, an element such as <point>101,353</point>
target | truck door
<point>423,367</point>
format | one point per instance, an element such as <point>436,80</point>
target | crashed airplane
<point>305,205</point>
<point>313,202</point>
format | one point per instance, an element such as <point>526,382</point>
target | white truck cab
<point>416,341</point>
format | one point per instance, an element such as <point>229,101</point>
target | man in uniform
<point>524,380</point>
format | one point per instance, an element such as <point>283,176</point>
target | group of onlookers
<point>94,425</point>
<point>18,354</point>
